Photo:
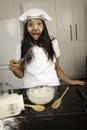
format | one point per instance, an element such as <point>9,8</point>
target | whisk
<point>27,55</point>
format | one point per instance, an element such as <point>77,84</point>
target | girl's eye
<point>30,24</point>
<point>39,24</point>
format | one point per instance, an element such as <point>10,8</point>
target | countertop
<point>72,113</point>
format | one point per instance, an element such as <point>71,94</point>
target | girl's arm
<point>17,68</point>
<point>64,77</point>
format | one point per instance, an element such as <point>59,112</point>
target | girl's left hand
<point>77,82</point>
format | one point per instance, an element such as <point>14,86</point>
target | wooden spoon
<point>57,103</point>
<point>37,108</point>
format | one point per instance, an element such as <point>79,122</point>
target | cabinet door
<point>9,38</point>
<point>71,35</point>
<point>79,36</point>
<point>65,35</point>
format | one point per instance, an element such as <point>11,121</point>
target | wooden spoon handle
<point>64,93</point>
<point>37,108</point>
<point>27,105</point>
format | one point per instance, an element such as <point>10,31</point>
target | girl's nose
<point>35,26</point>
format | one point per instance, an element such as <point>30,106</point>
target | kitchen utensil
<point>57,103</point>
<point>41,94</point>
<point>28,54</point>
<point>37,108</point>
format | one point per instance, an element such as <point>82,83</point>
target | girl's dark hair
<point>44,41</point>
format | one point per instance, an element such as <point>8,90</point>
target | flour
<point>41,95</point>
<point>9,124</point>
<point>1,125</point>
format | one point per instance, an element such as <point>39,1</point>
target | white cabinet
<point>71,36</point>
<point>9,38</point>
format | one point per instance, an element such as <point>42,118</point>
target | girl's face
<point>35,28</point>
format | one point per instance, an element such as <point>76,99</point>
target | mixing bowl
<point>41,94</point>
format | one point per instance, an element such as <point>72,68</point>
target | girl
<point>42,67</point>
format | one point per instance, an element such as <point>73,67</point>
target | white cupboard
<point>71,36</point>
<point>9,38</point>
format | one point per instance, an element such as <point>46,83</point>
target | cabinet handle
<point>76,32</point>
<point>71,32</point>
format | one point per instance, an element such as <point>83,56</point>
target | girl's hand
<point>77,82</point>
<point>14,65</point>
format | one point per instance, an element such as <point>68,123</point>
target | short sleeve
<point>18,52</point>
<point>56,47</point>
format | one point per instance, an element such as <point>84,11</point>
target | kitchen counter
<point>72,113</point>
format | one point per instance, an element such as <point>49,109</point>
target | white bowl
<point>41,94</point>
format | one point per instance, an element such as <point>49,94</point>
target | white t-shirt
<point>40,71</point>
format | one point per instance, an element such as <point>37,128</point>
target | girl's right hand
<point>14,65</point>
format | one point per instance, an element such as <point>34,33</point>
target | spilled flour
<point>9,124</point>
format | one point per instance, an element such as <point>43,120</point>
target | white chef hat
<point>34,13</point>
